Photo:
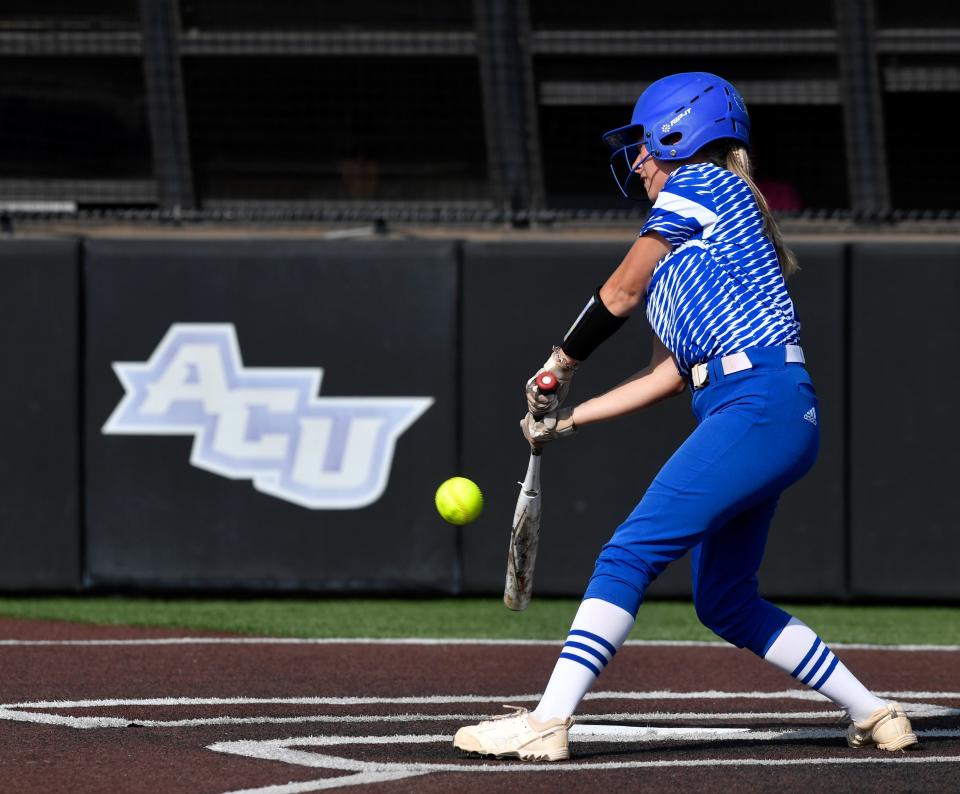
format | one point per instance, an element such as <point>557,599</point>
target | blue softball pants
<point>757,433</point>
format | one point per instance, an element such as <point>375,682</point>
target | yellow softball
<point>459,500</point>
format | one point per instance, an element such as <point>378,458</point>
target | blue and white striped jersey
<point>720,289</point>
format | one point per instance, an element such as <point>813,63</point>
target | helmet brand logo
<point>264,425</point>
<point>669,125</point>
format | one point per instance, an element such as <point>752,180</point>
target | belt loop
<point>715,366</point>
<point>699,375</point>
<point>794,355</point>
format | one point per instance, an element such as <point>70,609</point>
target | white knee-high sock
<point>597,633</point>
<point>801,653</point>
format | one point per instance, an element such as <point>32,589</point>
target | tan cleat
<point>517,735</point>
<point>888,728</point>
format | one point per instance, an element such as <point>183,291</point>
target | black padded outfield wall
<point>519,299</point>
<point>905,340</point>
<point>39,467</point>
<point>216,455</point>
<point>269,415</point>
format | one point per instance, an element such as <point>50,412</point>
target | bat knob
<point>547,382</point>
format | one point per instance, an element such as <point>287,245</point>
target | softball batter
<point>711,266</point>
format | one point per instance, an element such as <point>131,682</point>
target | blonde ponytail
<point>738,162</point>
<point>736,159</point>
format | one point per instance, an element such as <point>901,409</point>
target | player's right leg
<point>799,652</point>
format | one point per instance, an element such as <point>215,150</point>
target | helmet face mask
<point>625,167</point>
<point>675,117</point>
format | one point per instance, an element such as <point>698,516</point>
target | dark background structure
<point>456,110</point>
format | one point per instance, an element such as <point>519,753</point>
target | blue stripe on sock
<point>827,674</point>
<point>596,638</point>
<point>581,660</point>
<point>813,670</point>
<point>589,649</point>
<point>807,658</point>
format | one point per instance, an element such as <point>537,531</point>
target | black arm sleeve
<point>593,327</point>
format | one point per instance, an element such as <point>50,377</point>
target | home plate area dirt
<point>88,708</point>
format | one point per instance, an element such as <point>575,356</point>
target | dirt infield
<point>134,710</point>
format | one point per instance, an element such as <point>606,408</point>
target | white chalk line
<point>433,641</point>
<point>346,719</point>
<point>667,694</point>
<point>43,718</point>
<point>593,734</point>
<point>16,712</point>
<point>919,710</point>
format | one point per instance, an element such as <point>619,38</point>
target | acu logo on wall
<point>263,424</point>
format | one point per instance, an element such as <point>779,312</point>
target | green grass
<point>463,617</point>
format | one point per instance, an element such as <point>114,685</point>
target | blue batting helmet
<point>675,117</point>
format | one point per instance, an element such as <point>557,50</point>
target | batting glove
<point>562,367</point>
<point>543,430</point>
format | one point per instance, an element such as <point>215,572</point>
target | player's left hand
<point>547,428</point>
<point>562,367</point>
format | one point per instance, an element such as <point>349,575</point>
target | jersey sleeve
<point>684,210</point>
